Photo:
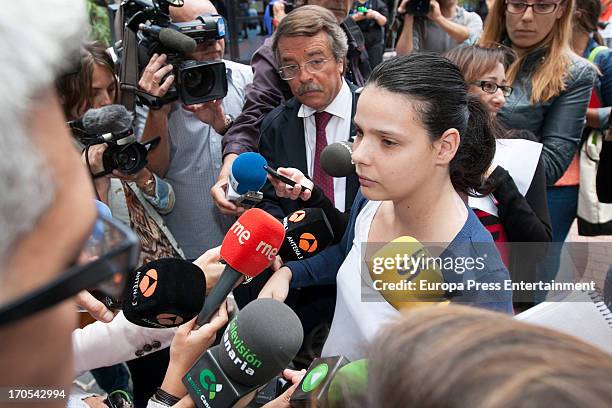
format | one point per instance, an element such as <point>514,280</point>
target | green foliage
<point>98,17</point>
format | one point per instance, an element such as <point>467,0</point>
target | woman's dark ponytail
<point>476,150</point>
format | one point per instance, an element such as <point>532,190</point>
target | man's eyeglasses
<point>111,251</point>
<point>491,87</point>
<point>313,66</point>
<point>519,7</point>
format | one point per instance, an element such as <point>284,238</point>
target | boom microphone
<point>307,232</point>
<point>336,159</point>
<point>170,38</point>
<point>164,293</point>
<point>249,247</point>
<point>107,119</point>
<point>256,345</point>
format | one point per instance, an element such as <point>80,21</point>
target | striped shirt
<point>195,161</point>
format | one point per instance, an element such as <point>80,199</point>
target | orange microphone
<point>249,247</point>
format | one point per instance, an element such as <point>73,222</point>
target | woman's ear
<point>446,146</point>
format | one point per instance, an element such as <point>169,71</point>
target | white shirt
<point>360,310</point>
<point>337,130</point>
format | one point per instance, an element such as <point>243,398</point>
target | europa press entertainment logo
<point>209,383</point>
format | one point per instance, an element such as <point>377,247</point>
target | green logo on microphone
<point>209,383</point>
<point>315,377</point>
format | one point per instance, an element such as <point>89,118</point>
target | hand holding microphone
<point>277,287</point>
<point>246,179</point>
<point>188,344</point>
<point>249,247</point>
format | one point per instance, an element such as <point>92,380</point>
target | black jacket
<point>283,144</point>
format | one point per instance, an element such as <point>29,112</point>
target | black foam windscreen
<point>260,342</point>
<point>164,293</point>
<point>307,232</point>
<point>107,119</point>
<point>176,40</point>
<point>336,159</point>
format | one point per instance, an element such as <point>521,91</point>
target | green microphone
<point>329,380</point>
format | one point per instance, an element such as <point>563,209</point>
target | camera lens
<point>198,81</point>
<point>131,158</point>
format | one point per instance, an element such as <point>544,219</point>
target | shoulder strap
<point>595,51</point>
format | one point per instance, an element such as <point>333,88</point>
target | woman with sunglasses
<point>552,86</point>
<point>520,218</point>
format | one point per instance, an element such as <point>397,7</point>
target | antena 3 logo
<point>146,286</point>
<point>241,355</point>
<point>297,216</point>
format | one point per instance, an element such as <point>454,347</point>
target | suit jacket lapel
<point>295,138</point>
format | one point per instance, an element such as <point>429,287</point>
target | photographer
<point>189,155</point>
<point>445,26</point>
<point>371,17</point>
<point>135,199</point>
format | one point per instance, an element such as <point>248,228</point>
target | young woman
<point>415,154</point>
<point>552,86</point>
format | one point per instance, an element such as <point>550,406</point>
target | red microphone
<point>249,247</point>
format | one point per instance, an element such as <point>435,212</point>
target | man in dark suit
<point>310,48</point>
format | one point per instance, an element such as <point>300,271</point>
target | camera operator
<point>445,26</point>
<point>135,199</point>
<point>189,155</point>
<point>371,17</point>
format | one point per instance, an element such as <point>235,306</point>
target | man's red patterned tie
<point>320,178</point>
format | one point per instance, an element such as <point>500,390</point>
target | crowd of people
<point>429,130</point>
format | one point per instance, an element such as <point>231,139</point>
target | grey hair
<point>307,21</point>
<point>37,39</point>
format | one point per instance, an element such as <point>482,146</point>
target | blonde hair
<point>548,79</point>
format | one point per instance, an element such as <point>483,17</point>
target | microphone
<point>329,380</point>
<point>164,293</point>
<point>307,232</point>
<point>170,38</point>
<point>351,380</point>
<point>107,119</point>
<point>336,159</point>
<point>312,390</point>
<point>246,178</point>
<point>397,270</point>
<point>257,344</point>
<point>249,247</point>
